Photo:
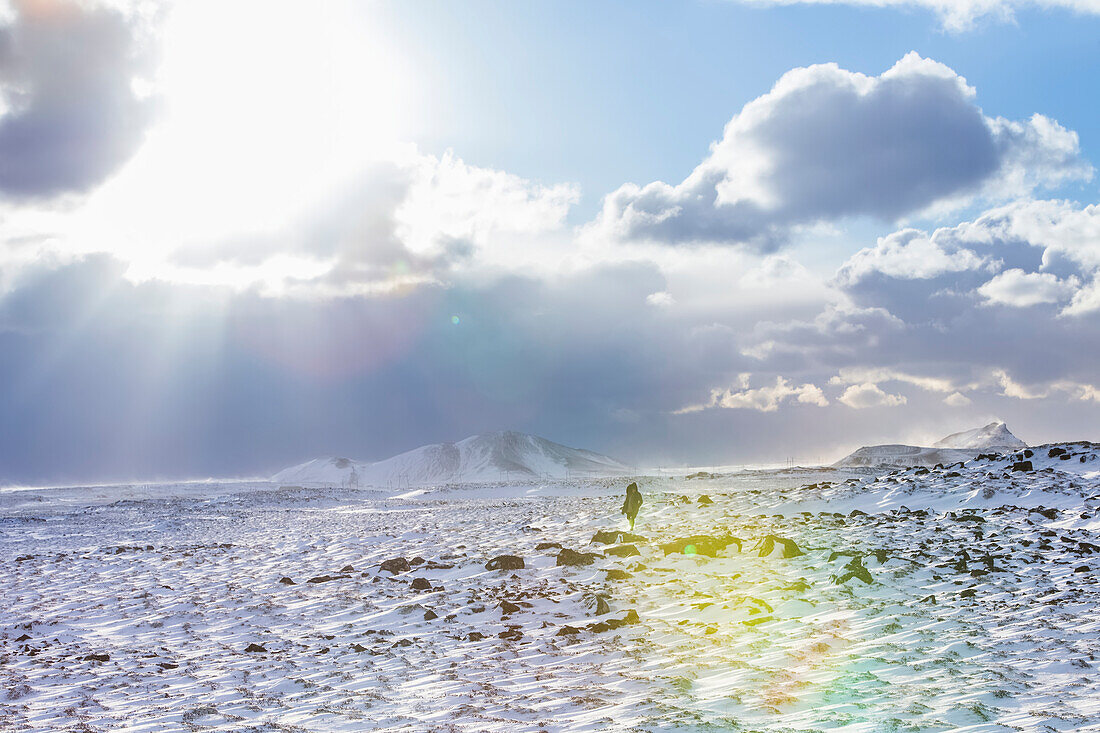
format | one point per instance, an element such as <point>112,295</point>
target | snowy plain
<point>953,598</point>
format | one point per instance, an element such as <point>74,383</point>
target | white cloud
<point>1023,289</point>
<point>960,15</point>
<point>956,399</point>
<point>862,396</point>
<point>876,375</point>
<point>910,254</point>
<point>826,143</point>
<point>661,299</point>
<point>763,399</point>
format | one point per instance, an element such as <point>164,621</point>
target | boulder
<point>704,500</point>
<point>1022,466</point>
<point>505,562</point>
<point>396,565</point>
<point>421,584</point>
<point>790,549</point>
<point>286,581</point>
<point>616,574</point>
<point>255,648</point>
<point>547,546</point>
<point>701,544</point>
<point>568,630</point>
<point>508,607</point>
<point>572,558</point>
<point>612,537</point>
<point>102,657</point>
<point>622,551</point>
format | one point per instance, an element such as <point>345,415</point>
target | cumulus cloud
<point>764,399</point>
<point>826,143</point>
<point>1022,289</point>
<point>862,396</point>
<point>68,73</point>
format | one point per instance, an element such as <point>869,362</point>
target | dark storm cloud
<point>827,143</point>
<point>106,379</point>
<point>67,72</point>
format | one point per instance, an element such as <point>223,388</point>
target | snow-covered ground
<point>955,598</point>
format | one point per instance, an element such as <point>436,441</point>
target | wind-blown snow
<point>498,456</point>
<point>994,436</point>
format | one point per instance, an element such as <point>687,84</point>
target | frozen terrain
<point>925,599</point>
<point>498,456</point>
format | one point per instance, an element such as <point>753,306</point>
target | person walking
<point>632,503</point>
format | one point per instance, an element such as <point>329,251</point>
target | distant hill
<point>992,438</point>
<point>497,456</point>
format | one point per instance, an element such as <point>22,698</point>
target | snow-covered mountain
<point>498,456</point>
<point>992,438</point>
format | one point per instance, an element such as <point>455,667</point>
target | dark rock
<point>704,500</point>
<point>475,636</point>
<point>929,599</point>
<point>1082,569</point>
<point>1022,466</point>
<point>430,615</point>
<point>857,513</point>
<point>255,648</point>
<point>23,637</point>
<point>700,545</point>
<point>97,658</point>
<point>347,569</point>
<point>321,579</point>
<point>417,561</point>
<point>358,648</point>
<point>573,558</point>
<point>612,537</point>
<point>622,551</point>
<point>968,593</point>
<point>790,549</point>
<point>511,634</point>
<point>286,581</point>
<point>421,584</point>
<point>629,619</point>
<point>598,604</point>
<point>396,565</point>
<point>855,570</point>
<point>1048,513</point>
<point>505,562</point>
<point>616,574</point>
<point>1055,452</point>
<point>568,631</point>
<point>599,627</point>
<point>547,546</point>
<point>508,607</point>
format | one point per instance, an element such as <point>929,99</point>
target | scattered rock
<point>255,648</point>
<point>612,537</point>
<point>97,658</point>
<point>573,558</point>
<point>700,545</point>
<point>396,565</point>
<point>286,581</point>
<point>505,562</point>
<point>790,549</point>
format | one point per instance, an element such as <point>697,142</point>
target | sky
<point>238,235</point>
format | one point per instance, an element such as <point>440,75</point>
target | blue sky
<point>234,237</point>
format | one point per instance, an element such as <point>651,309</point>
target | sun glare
<point>265,110</point>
